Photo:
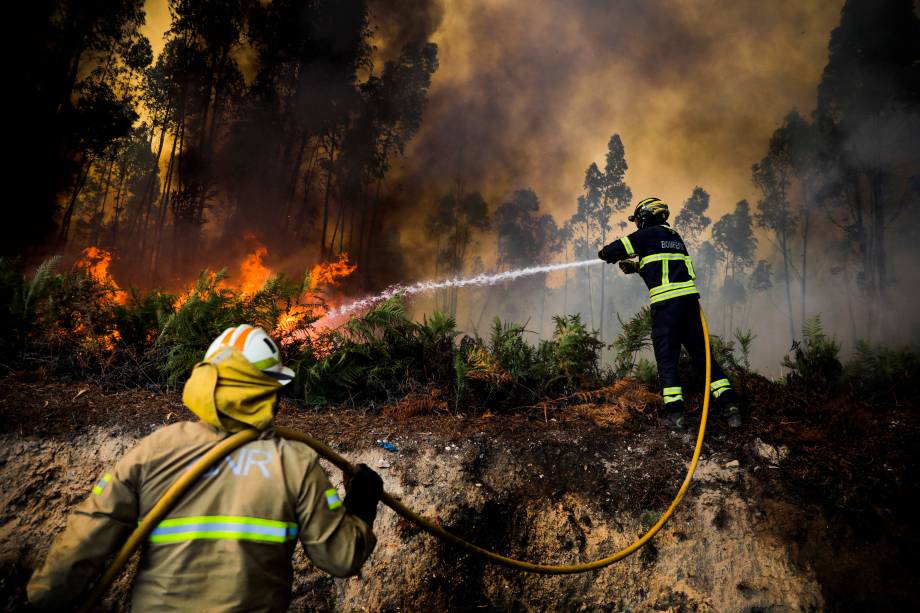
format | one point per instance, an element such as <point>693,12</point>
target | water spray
<point>428,286</point>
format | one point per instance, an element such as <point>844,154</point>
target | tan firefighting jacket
<point>227,545</point>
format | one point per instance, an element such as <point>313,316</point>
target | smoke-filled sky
<point>528,93</point>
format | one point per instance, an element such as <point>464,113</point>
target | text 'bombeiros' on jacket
<point>664,263</point>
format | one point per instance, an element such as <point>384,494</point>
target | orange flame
<point>298,324</point>
<point>253,272</point>
<point>329,274</point>
<point>95,264</point>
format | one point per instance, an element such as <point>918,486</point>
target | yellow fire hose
<point>226,446</point>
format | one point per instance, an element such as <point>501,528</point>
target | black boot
<point>673,416</point>
<point>732,414</point>
<point>729,408</point>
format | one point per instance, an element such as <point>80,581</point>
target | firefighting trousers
<point>676,323</point>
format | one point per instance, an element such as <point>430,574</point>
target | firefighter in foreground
<point>227,545</point>
<point>666,267</point>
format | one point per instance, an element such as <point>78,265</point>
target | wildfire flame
<point>253,272</point>
<point>303,318</point>
<point>314,304</point>
<point>95,264</point>
<point>329,274</point>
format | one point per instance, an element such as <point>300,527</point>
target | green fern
<point>815,360</point>
<point>40,282</point>
<point>745,341</point>
<point>636,335</point>
<point>646,372</point>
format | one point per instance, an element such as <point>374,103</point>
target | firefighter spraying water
<point>667,269</point>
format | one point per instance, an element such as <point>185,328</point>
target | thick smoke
<point>529,98</point>
<point>400,22</point>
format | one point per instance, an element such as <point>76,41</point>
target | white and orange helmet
<point>257,347</point>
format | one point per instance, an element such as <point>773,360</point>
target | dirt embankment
<point>752,534</point>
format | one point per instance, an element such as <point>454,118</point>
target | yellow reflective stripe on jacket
<point>627,244</point>
<point>227,527</point>
<point>663,257</point>
<point>670,287</point>
<point>719,384</point>
<point>673,293</point>
<point>106,479</point>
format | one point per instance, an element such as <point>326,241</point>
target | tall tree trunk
<point>294,179</point>
<point>603,276</point>
<point>372,231</point>
<point>322,250</point>
<point>148,193</point>
<point>72,204</point>
<point>100,217</point>
<point>164,199</point>
<point>785,249</point>
<point>804,286</point>
<point>565,285</point>
<point>119,196</point>
<point>588,273</point>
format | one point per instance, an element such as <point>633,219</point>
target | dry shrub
<point>627,394</point>
<point>417,403</point>
<point>603,415</point>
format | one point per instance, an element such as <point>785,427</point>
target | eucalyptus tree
<point>692,220</point>
<point>733,237</point>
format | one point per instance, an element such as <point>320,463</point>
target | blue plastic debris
<point>387,445</point>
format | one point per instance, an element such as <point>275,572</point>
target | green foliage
<point>646,372</point>
<point>187,332</point>
<point>381,355</point>
<point>210,309</point>
<point>573,353</point>
<point>18,299</point>
<point>376,355</point>
<point>723,352</point>
<point>876,370</point>
<point>815,360</point>
<point>636,334</point>
<point>141,318</point>
<point>745,340</point>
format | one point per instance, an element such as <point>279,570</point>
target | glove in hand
<point>364,491</point>
<point>629,267</point>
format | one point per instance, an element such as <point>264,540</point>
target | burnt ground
<point>849,465</point>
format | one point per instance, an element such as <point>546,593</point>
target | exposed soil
<point>805,508</point>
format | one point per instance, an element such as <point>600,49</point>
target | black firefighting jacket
<point>664,264</point>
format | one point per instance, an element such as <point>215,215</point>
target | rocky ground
<point>803,509</point>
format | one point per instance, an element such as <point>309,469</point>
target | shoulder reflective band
<point>332,499</point>
<point>627,244</point>
<point>106,478</point>
<point>223,527</point>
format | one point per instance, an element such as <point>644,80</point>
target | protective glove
<point>629,267</point>
<point>602,254</point>
<point>364,491</point>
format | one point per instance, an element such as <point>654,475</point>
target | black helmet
<point>648,210</point>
